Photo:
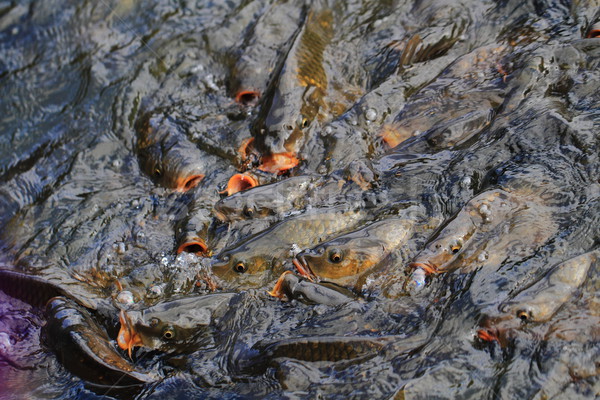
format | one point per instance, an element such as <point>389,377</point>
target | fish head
<point>288,120</point>
<point>244,266</point>
<point>166,158</point>
<point>173,326</point>
<point>339,259</point>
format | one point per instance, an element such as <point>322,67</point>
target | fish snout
<point>302,267</point>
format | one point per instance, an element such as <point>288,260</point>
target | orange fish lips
<point>194,245</point>
<point>278,163</point>
<point>127,338</point>
<point>238,183</point>
<point>247,97</point>
<point>594,31</point>
<point>186,183</point>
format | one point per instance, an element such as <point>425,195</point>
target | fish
<point>253,261</point>
<point>192,231</point>
<point>489,230</point>
<point>328,349</point>
<point>167,155</point>
<point>292,287</point>
<point>265,200</point>
<point>301,87</point>
<point>85,349</point>
<point>269,36</point>
<point>539,301</point>
<point>345,258</point>
<point>179,325</point>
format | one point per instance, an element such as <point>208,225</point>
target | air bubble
<point>371,114</point>
<point>125,297</point>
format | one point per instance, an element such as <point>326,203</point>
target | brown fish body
<point>167,155</point>
<point>345,258</point>
<point>251,262</point>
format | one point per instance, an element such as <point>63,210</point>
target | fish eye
<point>455,246</point>
<point>157,172</point>
<point>168,333</point>
<point>248,211</point>
<point>335,256</point>
<point>154,322</point>
<point>523,315</point>
<point>240,267</point>
<point>303,122</point>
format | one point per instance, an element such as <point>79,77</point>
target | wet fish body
<point>299,94</point>
<point>489,230</point>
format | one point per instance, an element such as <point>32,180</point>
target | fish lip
<point>128,337</point>
<point>247,96</point>
<point>426,266</point>
<point>303,268</point>
<point>188,182</point>
<point>193,245</point>
<point>239,183</point>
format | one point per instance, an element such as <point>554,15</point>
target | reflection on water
<point>472,126</point>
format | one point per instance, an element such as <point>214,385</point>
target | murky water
<point>471,128</point>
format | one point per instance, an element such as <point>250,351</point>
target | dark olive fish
<point>267,40</point>
<point>264,200</point>
<point>311,349</point>
<point>167,155</point>
<point>345,258</point>
<point>250,263</point>
<point>541,300</point>
<point>490,229</point>
<point>84,347</point>
<point>178,325</point>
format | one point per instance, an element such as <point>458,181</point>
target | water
<point>427,105</point>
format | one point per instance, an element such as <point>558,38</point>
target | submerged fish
<point>249,263</point>
<point>540,301</point>
<point>167,155</point>
<point>178,325</point>
<point>490,229</point>
<point>345,258</point>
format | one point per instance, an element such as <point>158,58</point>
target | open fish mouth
<point>247,97</point>
<point>303,268</point>
<point>188,182</point>
<point>128,338</point>
<point>193,245</point>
